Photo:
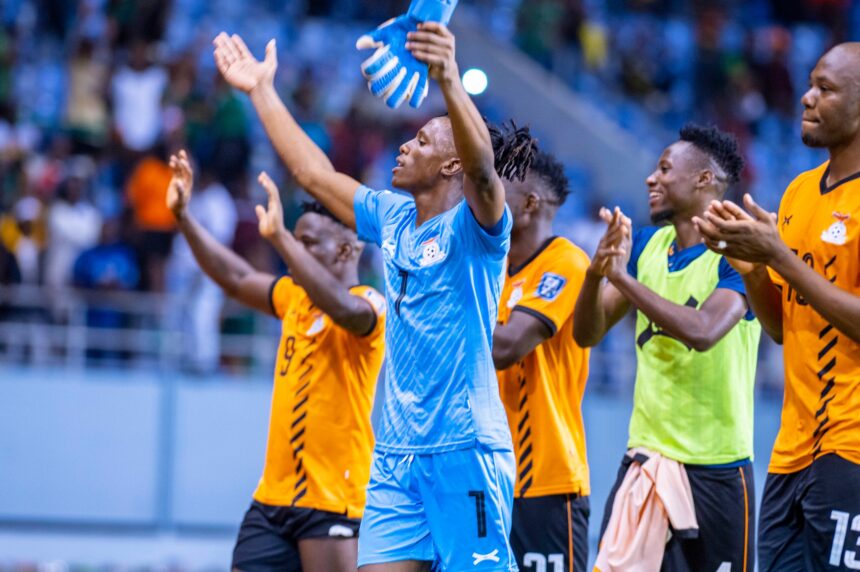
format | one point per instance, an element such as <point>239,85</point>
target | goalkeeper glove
<point>392,72</point>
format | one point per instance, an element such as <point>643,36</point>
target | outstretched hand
<point>746,239</point>
<point>239,67</point>
<point>181,183</point>
<point>615,246</point>
<point>271,219</point>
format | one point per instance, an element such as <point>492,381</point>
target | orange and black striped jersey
<point>821,408</point>
<point>320,437</point>
<point>543,393</point>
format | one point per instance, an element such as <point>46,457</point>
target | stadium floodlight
<point>475,81</point>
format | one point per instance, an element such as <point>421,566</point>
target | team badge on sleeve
<point>376,300</point>
<point>550,286</point>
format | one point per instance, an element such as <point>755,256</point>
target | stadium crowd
<point>95,94</point>
<point>740,65</point>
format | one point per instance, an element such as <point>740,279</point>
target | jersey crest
<point>431,252</point>
<point>837,233</point>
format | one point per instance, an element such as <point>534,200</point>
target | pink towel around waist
<point>654,493</point>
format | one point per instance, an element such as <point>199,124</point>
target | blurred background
<point>133,397</point>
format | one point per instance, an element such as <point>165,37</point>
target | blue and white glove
<point>392,73</point>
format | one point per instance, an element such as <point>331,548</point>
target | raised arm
<point>331,296</point>
<point>306,162</point>
<point>600,305</point>
<point>229,270</point>
<point>433,44</point>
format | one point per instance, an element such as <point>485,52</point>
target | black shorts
<point>810,520</point>
<point>269,535</point>
<point>551,533</point>
<point>724,500</point>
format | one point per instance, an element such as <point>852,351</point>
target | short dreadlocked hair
<point>514,149</point>
<point>551,171</point>
<point>720,146</point>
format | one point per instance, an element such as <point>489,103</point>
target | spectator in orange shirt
<point>154,224</point>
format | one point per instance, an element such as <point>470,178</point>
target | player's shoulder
<point>281,292</point>
<point>806,181</point>
<point>561,256</point>
<point>384,197</point>
<point>567,251</point>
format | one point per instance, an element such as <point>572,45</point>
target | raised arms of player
<point>304,159</point>
<point>433,44</point>
<point>755,239</point>
<point>517,338</point>
<point>600,305</point>
<point>331,296</point>
<point>229,270</point>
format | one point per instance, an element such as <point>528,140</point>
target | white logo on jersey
<point>492,557</point>
<point>317,326</point>
<point>516,294</point>
<point>837,233</point>
<point>432,253</point>
<point>341,531</point>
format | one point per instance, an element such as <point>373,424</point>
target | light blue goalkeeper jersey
<point>442,286</point>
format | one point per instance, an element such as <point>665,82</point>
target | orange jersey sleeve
<point>549,290</point>
<point>543,393</point>
<point>320,438</point>
<point>821,225</point>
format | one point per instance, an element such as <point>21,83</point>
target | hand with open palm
<point>179,188</point>
<point>239,67</point>
<point>271,219</point>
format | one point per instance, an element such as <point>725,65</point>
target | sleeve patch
<point>550,286</point>
<point>376,300</point>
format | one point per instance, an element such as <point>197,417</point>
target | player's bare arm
<point>600,305</point>
<point>229,270</point>
<point>306,162</point>
<point>517,338</point>
<point>323,288</point>
<point>758,241</point>
<point>764,297</point>
<point>434,45</point>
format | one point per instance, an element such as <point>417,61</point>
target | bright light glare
<point>475,81</point>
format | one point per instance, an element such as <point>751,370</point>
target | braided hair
<point>514,149</point>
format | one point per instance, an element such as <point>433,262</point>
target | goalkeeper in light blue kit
<point>442,475</point>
